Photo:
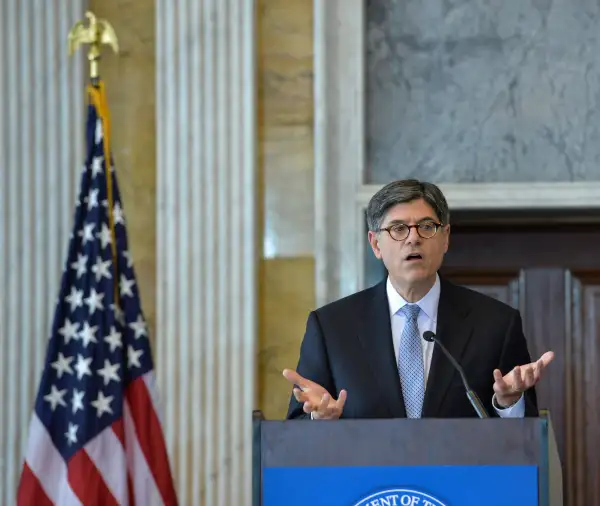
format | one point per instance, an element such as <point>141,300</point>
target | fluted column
<point>41,154</point>
<point>206,258</point>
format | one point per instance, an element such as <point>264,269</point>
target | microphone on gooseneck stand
<point>472,396</point>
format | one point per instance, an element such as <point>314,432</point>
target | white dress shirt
<point>428,321</point>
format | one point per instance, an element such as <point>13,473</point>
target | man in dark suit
<point>363,356</point>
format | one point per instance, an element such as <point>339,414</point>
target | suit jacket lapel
<point>454,332</point>
<point>375,336</point>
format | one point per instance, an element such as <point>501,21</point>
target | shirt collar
<point>428,304</point>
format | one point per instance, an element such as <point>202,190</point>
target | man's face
<point>414,259</point>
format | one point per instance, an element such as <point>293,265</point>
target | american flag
<point>95,436</point>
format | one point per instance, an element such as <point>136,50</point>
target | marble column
<point>41,153</point>
<point>206,244</point>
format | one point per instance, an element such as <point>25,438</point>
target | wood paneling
<point>583,386</point>
<point>544,324</point>
<point>505,286</point>
<point>551,277</point>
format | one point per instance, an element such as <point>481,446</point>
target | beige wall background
<point>285,29</point>
<point>131,91</point>
<point>286,167</point>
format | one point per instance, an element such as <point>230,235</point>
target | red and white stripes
<point>125,465</point>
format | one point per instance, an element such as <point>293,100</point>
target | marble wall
<point>487,91</point>
<point>286,125</point>
<point>286,296</point>
<point>285,150</point>
<point>131,91</point>
<point>286,165</point>
<point>286,170</point>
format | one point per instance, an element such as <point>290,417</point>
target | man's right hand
<point>316,400</point>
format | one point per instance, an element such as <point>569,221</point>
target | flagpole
<point>100,32</point>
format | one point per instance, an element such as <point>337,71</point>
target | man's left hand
<point>510,387</point>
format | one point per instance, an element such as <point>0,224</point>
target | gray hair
<point>401,192</point>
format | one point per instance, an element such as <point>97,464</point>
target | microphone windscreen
<point>428,336</point>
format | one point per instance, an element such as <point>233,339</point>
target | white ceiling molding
<point>502,196</point>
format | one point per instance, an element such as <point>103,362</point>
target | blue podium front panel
<point>401,486</point>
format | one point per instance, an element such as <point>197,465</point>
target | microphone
<point>472,396</point>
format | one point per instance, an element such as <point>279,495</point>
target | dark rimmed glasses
<point>400,231</point>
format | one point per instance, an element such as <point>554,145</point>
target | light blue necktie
<point>410,363</point>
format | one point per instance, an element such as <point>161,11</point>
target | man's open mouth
<point>413,257</point>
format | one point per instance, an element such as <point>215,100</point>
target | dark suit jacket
<point>348,345</point>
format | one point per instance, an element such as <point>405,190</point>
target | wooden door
<point>551,272</point>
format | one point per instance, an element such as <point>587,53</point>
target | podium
<point>404,462</point>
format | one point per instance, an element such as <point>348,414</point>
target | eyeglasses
<point>400,231</point>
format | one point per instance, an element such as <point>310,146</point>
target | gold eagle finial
<point>97,33</point>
